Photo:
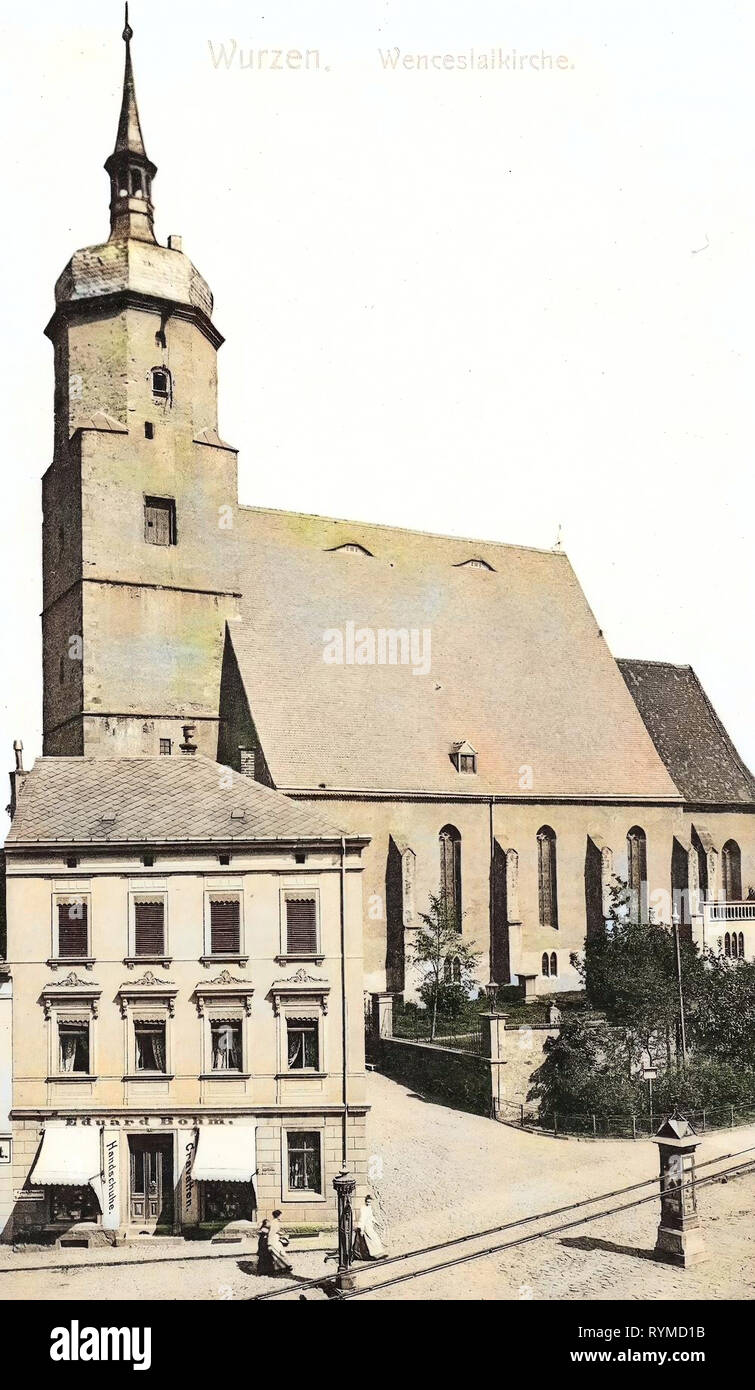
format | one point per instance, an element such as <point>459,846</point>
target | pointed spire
<point>131,171</point>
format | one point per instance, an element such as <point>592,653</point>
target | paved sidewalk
<point>440,1173</point>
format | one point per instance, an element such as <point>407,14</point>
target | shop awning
<point>70,1157</point>
<point>225,1153</point>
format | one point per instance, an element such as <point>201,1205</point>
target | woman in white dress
<point>276,1244</point>
<point>367,1242</point>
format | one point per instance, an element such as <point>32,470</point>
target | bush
<point>704,1084</point>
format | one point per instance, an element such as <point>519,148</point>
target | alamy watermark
<point>382,646</point>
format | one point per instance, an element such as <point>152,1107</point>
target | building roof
<point>154,800</point>
<point>518,666</point>
<point>688,733</point>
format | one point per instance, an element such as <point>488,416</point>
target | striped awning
<point>225,1153</point>
<point>70,1157</point>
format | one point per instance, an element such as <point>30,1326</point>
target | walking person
<point>264,1258</point>
<point>367,1242</point>
<point>276,1244</point>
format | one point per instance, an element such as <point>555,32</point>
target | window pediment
<point>71,990</point>
<point>299,987</point>
<point>225,989</point>
<point>147,990</point>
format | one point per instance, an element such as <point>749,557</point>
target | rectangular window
<point>301,926</point>
<point>149,928</point>
<point>150,1046</point>
<point>304,1165</point>
<point>73,1045</point>
<point>225,926</point>
<point>166,747</point>
<point>73,929</point>
<point>226,1045</point>
<point>303,1044</point>
<point>160,520</point>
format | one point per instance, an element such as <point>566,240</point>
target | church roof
<point>141,267</point>
<point>688,733</point>
<point>154,800</point>
<point>517,666</point>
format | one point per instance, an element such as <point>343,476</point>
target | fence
<point>640,1126</point>
<point>461,1035</point>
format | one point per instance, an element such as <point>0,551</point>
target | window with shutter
<point>301,926</point>
<point>73,929</point>
<point>149,928</point>
<point>225,926</point>
<point>159,521</point>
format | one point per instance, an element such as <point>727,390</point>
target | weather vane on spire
<point>128,32</point>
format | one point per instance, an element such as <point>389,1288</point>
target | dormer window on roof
<point>474,564</point>
<point>464,757</point>
<point>350,548</point>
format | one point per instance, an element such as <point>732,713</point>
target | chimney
<point>175,243</point>
<point>188,745</point>
<point>17,777</point>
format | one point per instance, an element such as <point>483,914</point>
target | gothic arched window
<point>450,872</point>
<point>741,945</point>
<point>727,945</point>
<point>731,872</point>
<point>554,964</point>
<point>637,872</point>
<point>545,964</point>
<point>547,890</point>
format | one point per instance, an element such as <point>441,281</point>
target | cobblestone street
<point>440,1173</point>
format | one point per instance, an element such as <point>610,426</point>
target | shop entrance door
<point>151,1180</point>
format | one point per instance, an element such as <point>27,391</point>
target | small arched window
<point>547,889</point>
<point>351,548</point>
<point>450,872</point>
<point>741,945</point>
<point>731,872</point>
<point>554,964</point>
<point>545,964</point>
<point>637,873</point>
<point>452,970</point>
<point>727,944</point>
<point>162,385</point>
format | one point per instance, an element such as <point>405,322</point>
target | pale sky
<point>483,302</point>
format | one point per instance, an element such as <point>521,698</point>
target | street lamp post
<point>345,1186</point>
<point>675,926</point>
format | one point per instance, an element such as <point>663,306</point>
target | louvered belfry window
<point>149,928</point>
<point>225,926</point>
<point>301,926</point>
<point>73,928</point>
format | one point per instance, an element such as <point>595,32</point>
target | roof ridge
<point>404,530</point>
<point>653,661</point>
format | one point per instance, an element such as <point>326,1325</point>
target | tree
<point>723,1025</point>
<point>445,961</point>
<point>629,972</point>
<point>584,1072</point>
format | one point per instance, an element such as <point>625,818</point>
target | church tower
<point>139,570</point>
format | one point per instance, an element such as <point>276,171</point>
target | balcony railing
<point>730,912</point>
